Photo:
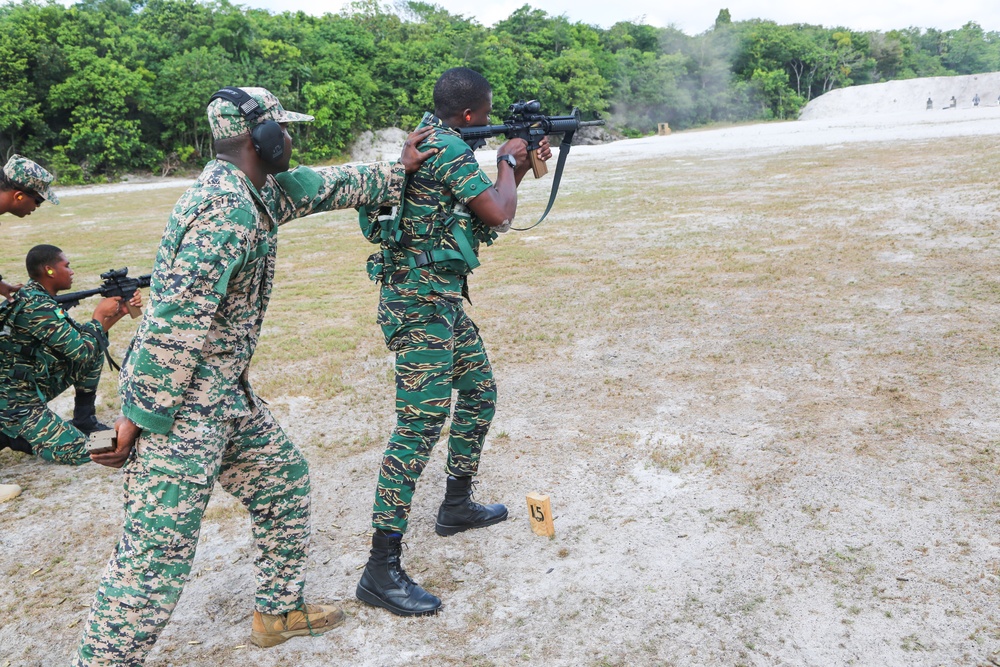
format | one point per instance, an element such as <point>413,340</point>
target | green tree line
<point>107,86</point>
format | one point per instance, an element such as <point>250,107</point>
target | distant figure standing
<point>954,103</point>
<point>930,104</point>
<point>975,100</point>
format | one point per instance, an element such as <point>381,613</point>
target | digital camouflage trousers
<point>438,349</point>
<point>24,412</point>
<point>167,485</point>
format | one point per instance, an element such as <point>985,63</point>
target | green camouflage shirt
<point>39,334</point>
<point>211,283</point>
<point>452,175</point>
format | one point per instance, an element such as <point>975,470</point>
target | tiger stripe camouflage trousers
<point>24,413</point>
<point>438,349</point>
<point>167,485</point>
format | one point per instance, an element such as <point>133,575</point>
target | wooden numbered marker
<point>540,514</point>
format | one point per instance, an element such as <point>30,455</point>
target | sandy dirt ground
<point>754,368</point>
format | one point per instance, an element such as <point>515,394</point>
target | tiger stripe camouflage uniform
<point>437,345</point>
<point>184,381</point>
<point>43,352</point>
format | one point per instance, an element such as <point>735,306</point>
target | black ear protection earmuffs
<point>268,138</point>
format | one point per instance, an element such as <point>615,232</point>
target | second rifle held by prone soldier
<point>116,283</point>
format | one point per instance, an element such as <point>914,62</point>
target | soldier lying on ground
<point>43,352</point>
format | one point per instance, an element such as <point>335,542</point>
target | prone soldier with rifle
<point>43,351</point>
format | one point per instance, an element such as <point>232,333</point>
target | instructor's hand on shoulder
<point>411,157</point>
<point>7,290</point>
<point>128,432</point>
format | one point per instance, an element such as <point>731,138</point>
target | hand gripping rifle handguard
<point>527,122</point>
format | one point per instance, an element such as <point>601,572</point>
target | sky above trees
<point>695,17</point>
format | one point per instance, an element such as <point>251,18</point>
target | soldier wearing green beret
<point>191,417</point>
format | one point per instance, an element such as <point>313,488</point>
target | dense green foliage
<point>106,86</point>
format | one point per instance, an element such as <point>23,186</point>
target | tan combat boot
<point>273,629</point>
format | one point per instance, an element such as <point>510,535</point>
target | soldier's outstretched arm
<point>303,190</point>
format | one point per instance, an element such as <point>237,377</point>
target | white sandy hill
<point>905,96</point>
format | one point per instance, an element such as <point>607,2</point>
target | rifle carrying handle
<point>538,166</point>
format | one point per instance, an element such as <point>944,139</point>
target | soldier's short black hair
<point>458,89</point>
<point>39,257</point>
<point>7,185</point>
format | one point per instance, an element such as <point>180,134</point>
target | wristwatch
<point>509,159</point>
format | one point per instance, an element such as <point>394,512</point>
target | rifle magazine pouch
<point>375,266</point>
<point>373,220</point>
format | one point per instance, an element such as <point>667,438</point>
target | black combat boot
<point>16,444</point>
<point>85,413</point>
<point>459,512</point>
<point>385,584</point>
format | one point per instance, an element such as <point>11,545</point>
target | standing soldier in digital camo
<point>188,406</point>
<point>423,270</point>
<point>43,352</point>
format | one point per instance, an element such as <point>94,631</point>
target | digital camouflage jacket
<point>211,284</point>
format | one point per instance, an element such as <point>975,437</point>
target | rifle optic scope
<point>114,274</point>
<point>531,106</point>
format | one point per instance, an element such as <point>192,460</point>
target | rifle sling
<point>564,147</point>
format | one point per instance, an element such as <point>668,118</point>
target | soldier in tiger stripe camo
<point>188,408</point>
<point>43,352</point>
<point>450,208</point>
<point>24,186</point>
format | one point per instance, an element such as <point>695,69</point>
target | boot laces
<point>395,560</point>
<point>472,491</point>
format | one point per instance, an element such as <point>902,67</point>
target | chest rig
<point>449,246</point>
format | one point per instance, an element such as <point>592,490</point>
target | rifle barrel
<point>76,297</point>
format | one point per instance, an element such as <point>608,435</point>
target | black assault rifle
<point>116,283</point>
<point>527,122</point>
